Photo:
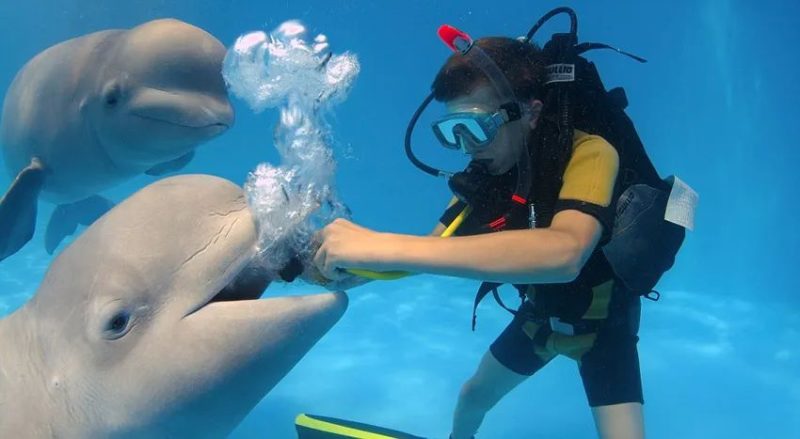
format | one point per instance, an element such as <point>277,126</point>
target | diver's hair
<point>522,63</point>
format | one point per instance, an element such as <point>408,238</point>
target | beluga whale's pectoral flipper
<point>66,218</point>
<point>18,208</point>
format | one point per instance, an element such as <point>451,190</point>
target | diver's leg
<point>512,357</point>
<point>619,421</point>
<point>612,379</point>
<point>490,383</point>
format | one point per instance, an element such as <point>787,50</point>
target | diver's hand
<point>347,245</point>
<point>348,282</point>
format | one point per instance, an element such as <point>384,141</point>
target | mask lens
<point>475,129</point>
<point>448,129</point>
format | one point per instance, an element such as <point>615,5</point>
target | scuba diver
<point>559,199</point>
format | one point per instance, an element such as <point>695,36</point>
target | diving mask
<point>479,128</point>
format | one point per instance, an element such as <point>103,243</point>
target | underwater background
<point>715,105</point>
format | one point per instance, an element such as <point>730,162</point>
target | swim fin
<point>321,427</point>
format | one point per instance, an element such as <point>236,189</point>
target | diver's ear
<point>535,112</point>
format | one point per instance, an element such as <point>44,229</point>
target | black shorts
<point>608,361</point>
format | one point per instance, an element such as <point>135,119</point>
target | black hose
<point>573,21</point>
<point>422,166</point>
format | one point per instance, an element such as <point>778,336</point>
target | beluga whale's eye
<point>117,326</point>
<point>112,94</point>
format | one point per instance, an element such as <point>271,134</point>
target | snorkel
<point>474,185</point>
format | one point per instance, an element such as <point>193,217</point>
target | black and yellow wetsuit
<point>600,313</point>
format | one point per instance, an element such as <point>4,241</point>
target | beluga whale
<point>150,323</point>
<point>91,112</point>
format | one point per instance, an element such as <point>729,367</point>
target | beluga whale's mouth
<point>186,109</point>
<point>249,284</point>
<point>186,123</point>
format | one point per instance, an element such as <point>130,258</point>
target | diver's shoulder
<point>592,142</point>
<point>580,138</point>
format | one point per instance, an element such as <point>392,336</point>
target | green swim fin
<point>321,427</point>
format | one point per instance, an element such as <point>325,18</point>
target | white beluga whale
<point>149,324</point>
<point>96,110</point>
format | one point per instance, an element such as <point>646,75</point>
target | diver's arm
<point>350,282</point>
<point>547,255</point>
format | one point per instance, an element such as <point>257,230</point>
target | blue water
<point>715,105</point>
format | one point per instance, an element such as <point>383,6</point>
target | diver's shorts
<point>608,361</point>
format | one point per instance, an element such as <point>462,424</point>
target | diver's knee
<point>478,394</point>
<point>619,421</point>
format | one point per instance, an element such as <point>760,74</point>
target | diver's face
<point>502,153</point>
